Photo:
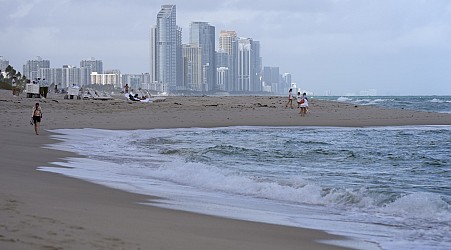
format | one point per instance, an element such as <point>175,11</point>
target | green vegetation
<point>11,73</point>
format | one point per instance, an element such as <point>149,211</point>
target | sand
<point>42,210</point>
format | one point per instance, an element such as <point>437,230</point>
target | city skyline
<point>337,47</point>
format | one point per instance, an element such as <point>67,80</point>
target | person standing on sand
<point>14,87</point>
<point>126,89</point>
<point>304,105</point>
<point>37,115</point>
<point>290,98</point>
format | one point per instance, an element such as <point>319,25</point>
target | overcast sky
<point>341,46</point>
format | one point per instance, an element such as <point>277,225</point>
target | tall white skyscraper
<point>248,65</point>
<point>166,48</point>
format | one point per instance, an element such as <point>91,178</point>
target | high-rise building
<point>286,84</point>
<point>53,76</point>
<point>258,67</point>
<point>222,78</point>
<point>228,43</point>
<point>3,63</point>
<point>167,41</point>
<point>271,79</point>
<point>72,75</point>
<point>112,77</point>
<point>192,58</point>
<point>95,65</point>
<point>248,63</point>
<point>31,68</point>
<point>226,40</point>
<point>153,55</point>
<point>202,35</point>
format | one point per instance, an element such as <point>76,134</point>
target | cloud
<point>325,44</point>
<point>23,9</point>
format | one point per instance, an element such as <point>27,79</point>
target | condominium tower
<point>166,50</point>
<point>228,45</point>
<point>202,35</point>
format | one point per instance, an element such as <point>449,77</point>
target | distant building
<point>222,78</point>
<point>271,79</point>
<point>109,78</point>
<point>66,76</point>
<point>228,44</point>
<point>202,35</point>
<point>32,67</point>
<point>166,50</point>
<point>95,65</point>
<point>193,73</point>
<point>285,84</point>
<point>4,63</point>
<point>248,63</point>
<point>53,76</point>
<point>136,81</point>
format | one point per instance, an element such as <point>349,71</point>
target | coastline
<point>40,209</point>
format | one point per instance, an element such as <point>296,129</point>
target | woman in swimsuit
<point>37,115</point>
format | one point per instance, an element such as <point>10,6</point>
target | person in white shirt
<point>304,105</point>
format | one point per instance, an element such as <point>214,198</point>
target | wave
<point>343,99</point>
<point>298,190</point>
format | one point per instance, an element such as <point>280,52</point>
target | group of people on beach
<point>301,100</point>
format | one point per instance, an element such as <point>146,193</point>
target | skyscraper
<point>226,39</point>
<point>168,49</point>
<point>271,79</point>
<point>228,44</point>
<point>248,65</point>
<point>202,35</point>
<point>3,63</point>
<point>93,64</point>
<point>153,56</point>
<point>31,68</point>
<point>192,56</point>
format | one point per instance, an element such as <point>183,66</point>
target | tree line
<point>11,73</point>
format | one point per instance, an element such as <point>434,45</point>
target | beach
<point>42,210</point>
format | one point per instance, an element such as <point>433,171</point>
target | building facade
<point>193,73</point>
<point>248,66</point>
<point>202,35</point>
<point>167,43</point>
<point>108,78</point>
<point>95,65</point>
<point>3,63</point>
<point>32,67</point>
<point>271,79</point>
<point>228,44</point>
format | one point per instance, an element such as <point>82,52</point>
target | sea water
<point>440,104</point>
<point>387,185</point>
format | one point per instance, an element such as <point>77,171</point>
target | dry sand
<point>42,210</point>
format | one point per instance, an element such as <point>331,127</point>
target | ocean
<point>385,187</point>
<point>439,104</point>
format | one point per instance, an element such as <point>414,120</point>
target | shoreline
<point>41,209</point>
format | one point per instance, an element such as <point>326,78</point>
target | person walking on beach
<point>290,98</point>
<point>299,99</point>
<point>14,87</point>
<point>126,89</point>
<point>36,116</point>
<point>304,105</point>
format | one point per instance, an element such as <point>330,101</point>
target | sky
<point>337,47</point>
